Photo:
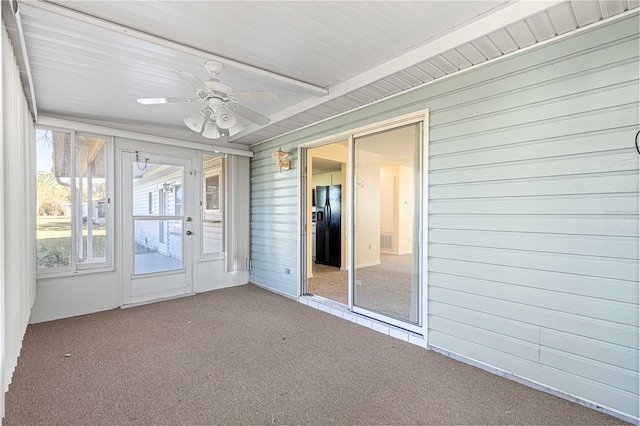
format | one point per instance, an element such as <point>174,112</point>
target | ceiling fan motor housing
<point>213,67</point>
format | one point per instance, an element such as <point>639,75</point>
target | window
<point>213,205</point>
<point>73,201</point>
<point>212,184</point>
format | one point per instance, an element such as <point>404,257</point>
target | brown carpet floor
<point>383,288</point>
<point>244,355</point>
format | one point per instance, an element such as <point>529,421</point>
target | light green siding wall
<point>533,212</point>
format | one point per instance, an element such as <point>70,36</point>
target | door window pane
<point>158,246</point>
<point>386,222</point>
<point>157,189</point>
<point>213,205</point>
<point>53,191</point>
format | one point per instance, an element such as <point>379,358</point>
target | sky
<point>44,151</point>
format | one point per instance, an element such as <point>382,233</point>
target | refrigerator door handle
<point>328,213</point>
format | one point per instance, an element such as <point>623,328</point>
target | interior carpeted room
<point>385,287</point>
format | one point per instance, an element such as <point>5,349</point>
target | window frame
<point>75,267</point>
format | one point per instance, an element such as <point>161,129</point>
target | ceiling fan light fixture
<point>211,130</point>
<point>220,115</point>
<point>235,129</point>
<point>226,120</point>
<point>195,121</point>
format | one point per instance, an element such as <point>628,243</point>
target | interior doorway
<point>364,207</point>
<point>326,194</point>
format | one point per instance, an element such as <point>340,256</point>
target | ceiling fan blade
<point>261,97</point>
<point>156,101</point>
<point>252,115</point>
<point>190,78</point>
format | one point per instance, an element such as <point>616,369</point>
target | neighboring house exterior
<point>531,255</point>
<point>161,193</point>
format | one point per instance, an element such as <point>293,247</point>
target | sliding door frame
<point>421,117</point>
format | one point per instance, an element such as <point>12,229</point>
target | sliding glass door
<point>376,177</point>
<point>386,225</point>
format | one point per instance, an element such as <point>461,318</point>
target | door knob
<point>188,219</point>
<point>189,232</point>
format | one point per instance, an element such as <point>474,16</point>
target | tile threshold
<point>341,311</point>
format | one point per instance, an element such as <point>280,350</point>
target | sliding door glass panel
<point>150,254</point>
<point>327,216</point>
<point>386,223</point>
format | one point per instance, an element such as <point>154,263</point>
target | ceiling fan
<point>218,117</point>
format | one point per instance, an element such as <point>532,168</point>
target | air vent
<point>386,241</point>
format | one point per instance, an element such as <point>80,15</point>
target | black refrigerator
<point>328,223</point>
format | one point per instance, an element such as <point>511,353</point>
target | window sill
<point>71,274</point>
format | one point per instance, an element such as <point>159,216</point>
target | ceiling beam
<point>100,129</point>
<point>92,20</point>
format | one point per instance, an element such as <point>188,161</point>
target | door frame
<point>185,157</point>
<point>421,117</point>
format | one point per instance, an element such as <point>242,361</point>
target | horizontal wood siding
<point>533,212</point>
<point>533,228</point>
<point>274,221</point>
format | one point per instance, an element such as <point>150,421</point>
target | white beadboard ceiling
<point>90,60</point>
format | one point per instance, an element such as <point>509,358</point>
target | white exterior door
<point>157,226</point>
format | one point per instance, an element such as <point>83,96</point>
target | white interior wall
<point>17,215</point>
<point>366,243</point>
<point>388,198</point>
<point>406,209</point>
